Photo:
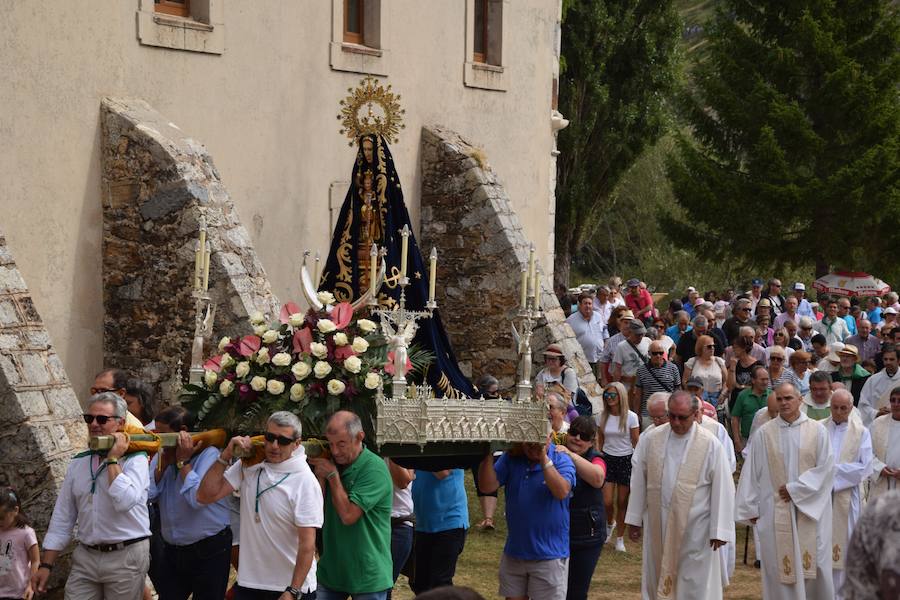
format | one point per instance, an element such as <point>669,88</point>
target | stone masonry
<point>467,215</point>
<point>40,425</point>
<point>157,182</point>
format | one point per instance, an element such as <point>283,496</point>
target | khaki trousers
<point>118,575</point>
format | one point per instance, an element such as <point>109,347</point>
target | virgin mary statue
<point>374,212</point>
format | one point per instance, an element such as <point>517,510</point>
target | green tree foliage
<point>792,157</point>
<point>619,66</point>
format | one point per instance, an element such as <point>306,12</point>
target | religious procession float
<point>372,340</point>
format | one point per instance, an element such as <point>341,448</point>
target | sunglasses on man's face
<point>710,346</point>
<point>101,419</point>
<point>282,441</point>
<point>101,390</point>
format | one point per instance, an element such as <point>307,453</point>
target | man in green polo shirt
<point>748,402</point>
<point>356,535</point>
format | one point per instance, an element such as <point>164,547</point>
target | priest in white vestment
<point>852,446</point>
<point>682,493</point>
<point>873,399</point>
<point>885,432</point>
<point>785,489</point>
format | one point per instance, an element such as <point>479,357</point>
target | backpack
<point>583,404</point>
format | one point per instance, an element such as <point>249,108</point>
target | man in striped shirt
<point>657,375</point>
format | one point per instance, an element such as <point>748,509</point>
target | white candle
<point>432,279</point>
<point>404,250</point>
<point>202,232</point>
<point>524,295</point>
<point>316,271</point>
<point>373,268</point>
<point>536,286</point>
<point>206,266</point>
<point>198,265</point>
<point>531,268</point>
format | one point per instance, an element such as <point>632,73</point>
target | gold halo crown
<point>371,109</point>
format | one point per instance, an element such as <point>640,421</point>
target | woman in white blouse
<point>709,368</point>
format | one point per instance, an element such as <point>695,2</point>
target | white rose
<point>210,378</point>
<point>300,370</point>
<point>242,369</point>
<point>336,387</point>
<point>257,318</point>
<point>224,342</point>
<point>226,387</point>
<point>296,319</point>
<point>372,380</point>
<point>260,329</point>
<point>275,387</point>
<point>297,392</point>
<point>325,297</point>
<point>318,350</point>
<point>262,357</point>
<point>227,361</point>
<point>366,325</point>
<point>353,364</point>
<point>359,345</point>
<point>269,336</point>
<point>321,369</point>
<point>282,359</point>
<point>340,339</point>
<point>258,383</point>
<point>326,325</point>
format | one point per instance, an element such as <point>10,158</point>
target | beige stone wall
<point>265,108</point>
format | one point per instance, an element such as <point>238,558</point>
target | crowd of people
<point>797,401</point>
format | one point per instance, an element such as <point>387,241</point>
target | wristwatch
<point>180,464</point>
<point>293,592</point>
<point>112,461</point>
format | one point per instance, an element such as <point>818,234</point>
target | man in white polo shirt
<point>281,508</point>
<point>105,498</point>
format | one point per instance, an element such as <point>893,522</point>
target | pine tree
<point>792,153</point>
<point>618,69</point>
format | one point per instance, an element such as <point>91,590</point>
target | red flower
<point>213,364</point>
<point>302,340</point>
<point>249,345</point>
<point>389,365</point>
<point>286,311</point>
<point>342,353</point>
<point>341,315</point>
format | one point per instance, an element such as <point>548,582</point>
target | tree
<point>792,153</point>
<point>618,67</point>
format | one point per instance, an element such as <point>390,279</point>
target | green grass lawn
<point>618,575</point>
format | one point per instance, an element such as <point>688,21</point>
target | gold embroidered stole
<point>881,431</point>
<point>841,500</point>
<point>666,552</point>
<point>784,529</point>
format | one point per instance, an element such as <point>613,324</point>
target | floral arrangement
<point>309,364</point>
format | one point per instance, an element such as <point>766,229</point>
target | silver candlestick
<point>204,314</point>
<point>528,318</point>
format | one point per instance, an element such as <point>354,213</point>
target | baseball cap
<point>553,350</point>
<point>691,289</point>
<point>799,287</point>
<point>626,314</point>
<point>634,281</point>
<point>890,310</point>
<point>757,282</point>
<point>764,302</point>
<point>694,382</point>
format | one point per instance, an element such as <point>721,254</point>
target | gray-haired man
<point>105,498</point>
<point>281,508</point>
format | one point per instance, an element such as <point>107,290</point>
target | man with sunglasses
<point>740,318</point>
<point>104,496</point>
<point>682,493</point>
<point>281,508</point>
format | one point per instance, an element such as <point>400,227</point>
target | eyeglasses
<point>710,346</point>
<point>551,358</point>
<point>778,358</point>
<point>681,417</point>
<point>660,353</point>
<point>744,309</point>
<point>100,390</point>
<point>282,441</point>
<point>608,395</point>
<point>581,436</point>
<point>101,419</point>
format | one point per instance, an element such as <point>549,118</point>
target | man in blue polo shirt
<point>538,480</point>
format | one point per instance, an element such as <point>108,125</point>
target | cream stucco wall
<point>266,110</point>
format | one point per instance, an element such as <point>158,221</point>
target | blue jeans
<point>323,593</point>
<point>401,545</point>
<point>582,562</point>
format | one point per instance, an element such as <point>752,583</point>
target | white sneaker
<point>610,529</point>
<point>620,544</point>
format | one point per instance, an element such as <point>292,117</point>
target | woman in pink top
<point>19,555</point>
